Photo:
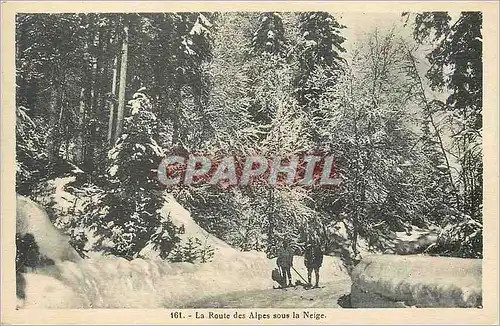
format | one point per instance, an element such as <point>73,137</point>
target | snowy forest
<point>101,98</point>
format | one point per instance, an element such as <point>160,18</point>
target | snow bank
<point>181,217</point>
<point>421,281</point>
<point>112,282</point>
<point>46,292</point>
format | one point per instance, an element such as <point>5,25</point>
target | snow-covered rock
<point>417,241</point>
<point>32,218</point>
<point>421,281</point>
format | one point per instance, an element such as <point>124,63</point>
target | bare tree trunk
<point>81,119</point>
<point>357,175</point>
<point>93,107</point>
<point>271,219</point>
<point>354,243</point>
<point>65,106</point>
<point>82,112</point>
<point>123,81</point>
<point>53,141</point>
<point>111,121</point>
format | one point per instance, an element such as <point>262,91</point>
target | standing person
<point>285,263</point>
<point>313,259</point>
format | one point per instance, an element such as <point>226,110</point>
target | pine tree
<point>170,51</point>
<point>321,46</point>
<point>269,36</point>
<point>133,199</point>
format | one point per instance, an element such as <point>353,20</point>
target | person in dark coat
<point>313,259</point>
<point>285,263</point>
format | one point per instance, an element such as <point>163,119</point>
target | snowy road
<point>324,297</point>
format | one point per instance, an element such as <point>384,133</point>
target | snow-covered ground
<point>112,282</point>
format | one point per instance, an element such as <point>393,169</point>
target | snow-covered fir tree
<point>133,197</point>
<point>270,35</point>
<point>320,47</point>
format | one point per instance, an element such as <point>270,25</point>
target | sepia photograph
<point>299,160</point>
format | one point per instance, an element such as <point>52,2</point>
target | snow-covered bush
<point>460,238</point>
